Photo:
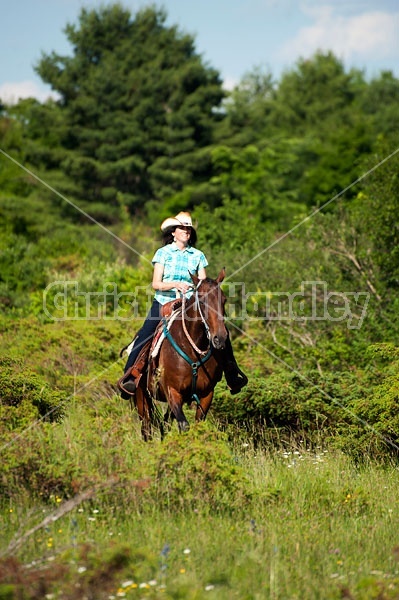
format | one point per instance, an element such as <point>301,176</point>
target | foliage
<point>198,469</point>
<point>25,397</point>
<point>140,129</point>
<point>136,104</point>
<point>320,509</point>
<point>380,207</point>
<point>303,405</point>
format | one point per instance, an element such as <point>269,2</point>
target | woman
<point>173,264</point>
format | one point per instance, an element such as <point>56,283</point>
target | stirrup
<point>127,386</point>
<point>130,386</point>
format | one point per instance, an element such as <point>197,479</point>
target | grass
<point>199,516</point>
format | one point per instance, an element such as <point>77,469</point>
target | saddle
<point>168,308</point>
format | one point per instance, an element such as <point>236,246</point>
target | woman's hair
<point>167,237</point>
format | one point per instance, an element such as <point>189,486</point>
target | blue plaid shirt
<point>177,266</point>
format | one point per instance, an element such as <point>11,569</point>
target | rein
<point>198,306</point>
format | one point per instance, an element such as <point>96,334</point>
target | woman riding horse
<point>173,264</point>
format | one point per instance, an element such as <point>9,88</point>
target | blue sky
<point>233,36</point>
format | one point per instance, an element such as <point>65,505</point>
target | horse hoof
<point>184,426</point>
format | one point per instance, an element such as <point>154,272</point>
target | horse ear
<point>194,278</point>
<point>221,275</point>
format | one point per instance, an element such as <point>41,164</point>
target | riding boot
<point>235,378</point>
<point>129,382</point>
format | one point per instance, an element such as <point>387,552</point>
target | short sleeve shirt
<point>177,264</point>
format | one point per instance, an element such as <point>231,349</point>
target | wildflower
<point>152,582</point>
<point>209,587</point>
<point>126,584</point>
<point>186,551</point>
<point>182,570</point>
<point>144,585</point>
<point>165,550</point>
<point>95,511</point>
<point>81,569</point>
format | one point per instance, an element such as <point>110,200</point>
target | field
<point>199,515</point>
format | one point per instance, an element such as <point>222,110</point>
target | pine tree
<point>136,104</point>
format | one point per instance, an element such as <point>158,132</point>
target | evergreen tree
<point>136,104</point>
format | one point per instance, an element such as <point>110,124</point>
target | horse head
<point>211,300</point>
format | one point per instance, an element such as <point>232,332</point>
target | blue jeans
<point>146,332</point>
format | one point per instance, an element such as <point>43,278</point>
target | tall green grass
<point>200,515</point>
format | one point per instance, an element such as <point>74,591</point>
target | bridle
<point>197,305</point>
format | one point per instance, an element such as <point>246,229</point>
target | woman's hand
<point>182,286</point>
<point>159,284</point>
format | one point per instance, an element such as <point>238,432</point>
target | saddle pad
<point>159,335</point>
<point>128,348</point>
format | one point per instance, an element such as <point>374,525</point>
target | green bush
<point>25,397</point>
<point>197,470</point>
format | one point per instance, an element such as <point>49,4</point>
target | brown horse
<point>188,364</point>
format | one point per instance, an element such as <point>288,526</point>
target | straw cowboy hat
<point>182,219</point>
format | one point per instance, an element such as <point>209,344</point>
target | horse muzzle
<point>218,342</point>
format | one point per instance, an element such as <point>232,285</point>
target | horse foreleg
<point>144,408</point>
<point>202,409</point>
<point>167,419</point>
<point>175,402</point>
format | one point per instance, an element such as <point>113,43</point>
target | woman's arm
<point>163,286</point>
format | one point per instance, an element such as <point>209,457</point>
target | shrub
<point>197,470</point>
<point>25,396</point>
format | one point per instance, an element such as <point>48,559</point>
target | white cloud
<point>229,83</point>
<point>370,35</point>
<point>11,92</point>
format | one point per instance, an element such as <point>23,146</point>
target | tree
<point>136,104</point>
<point>380,203</point>
<point>380,99</point>
<point>247,109</point>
